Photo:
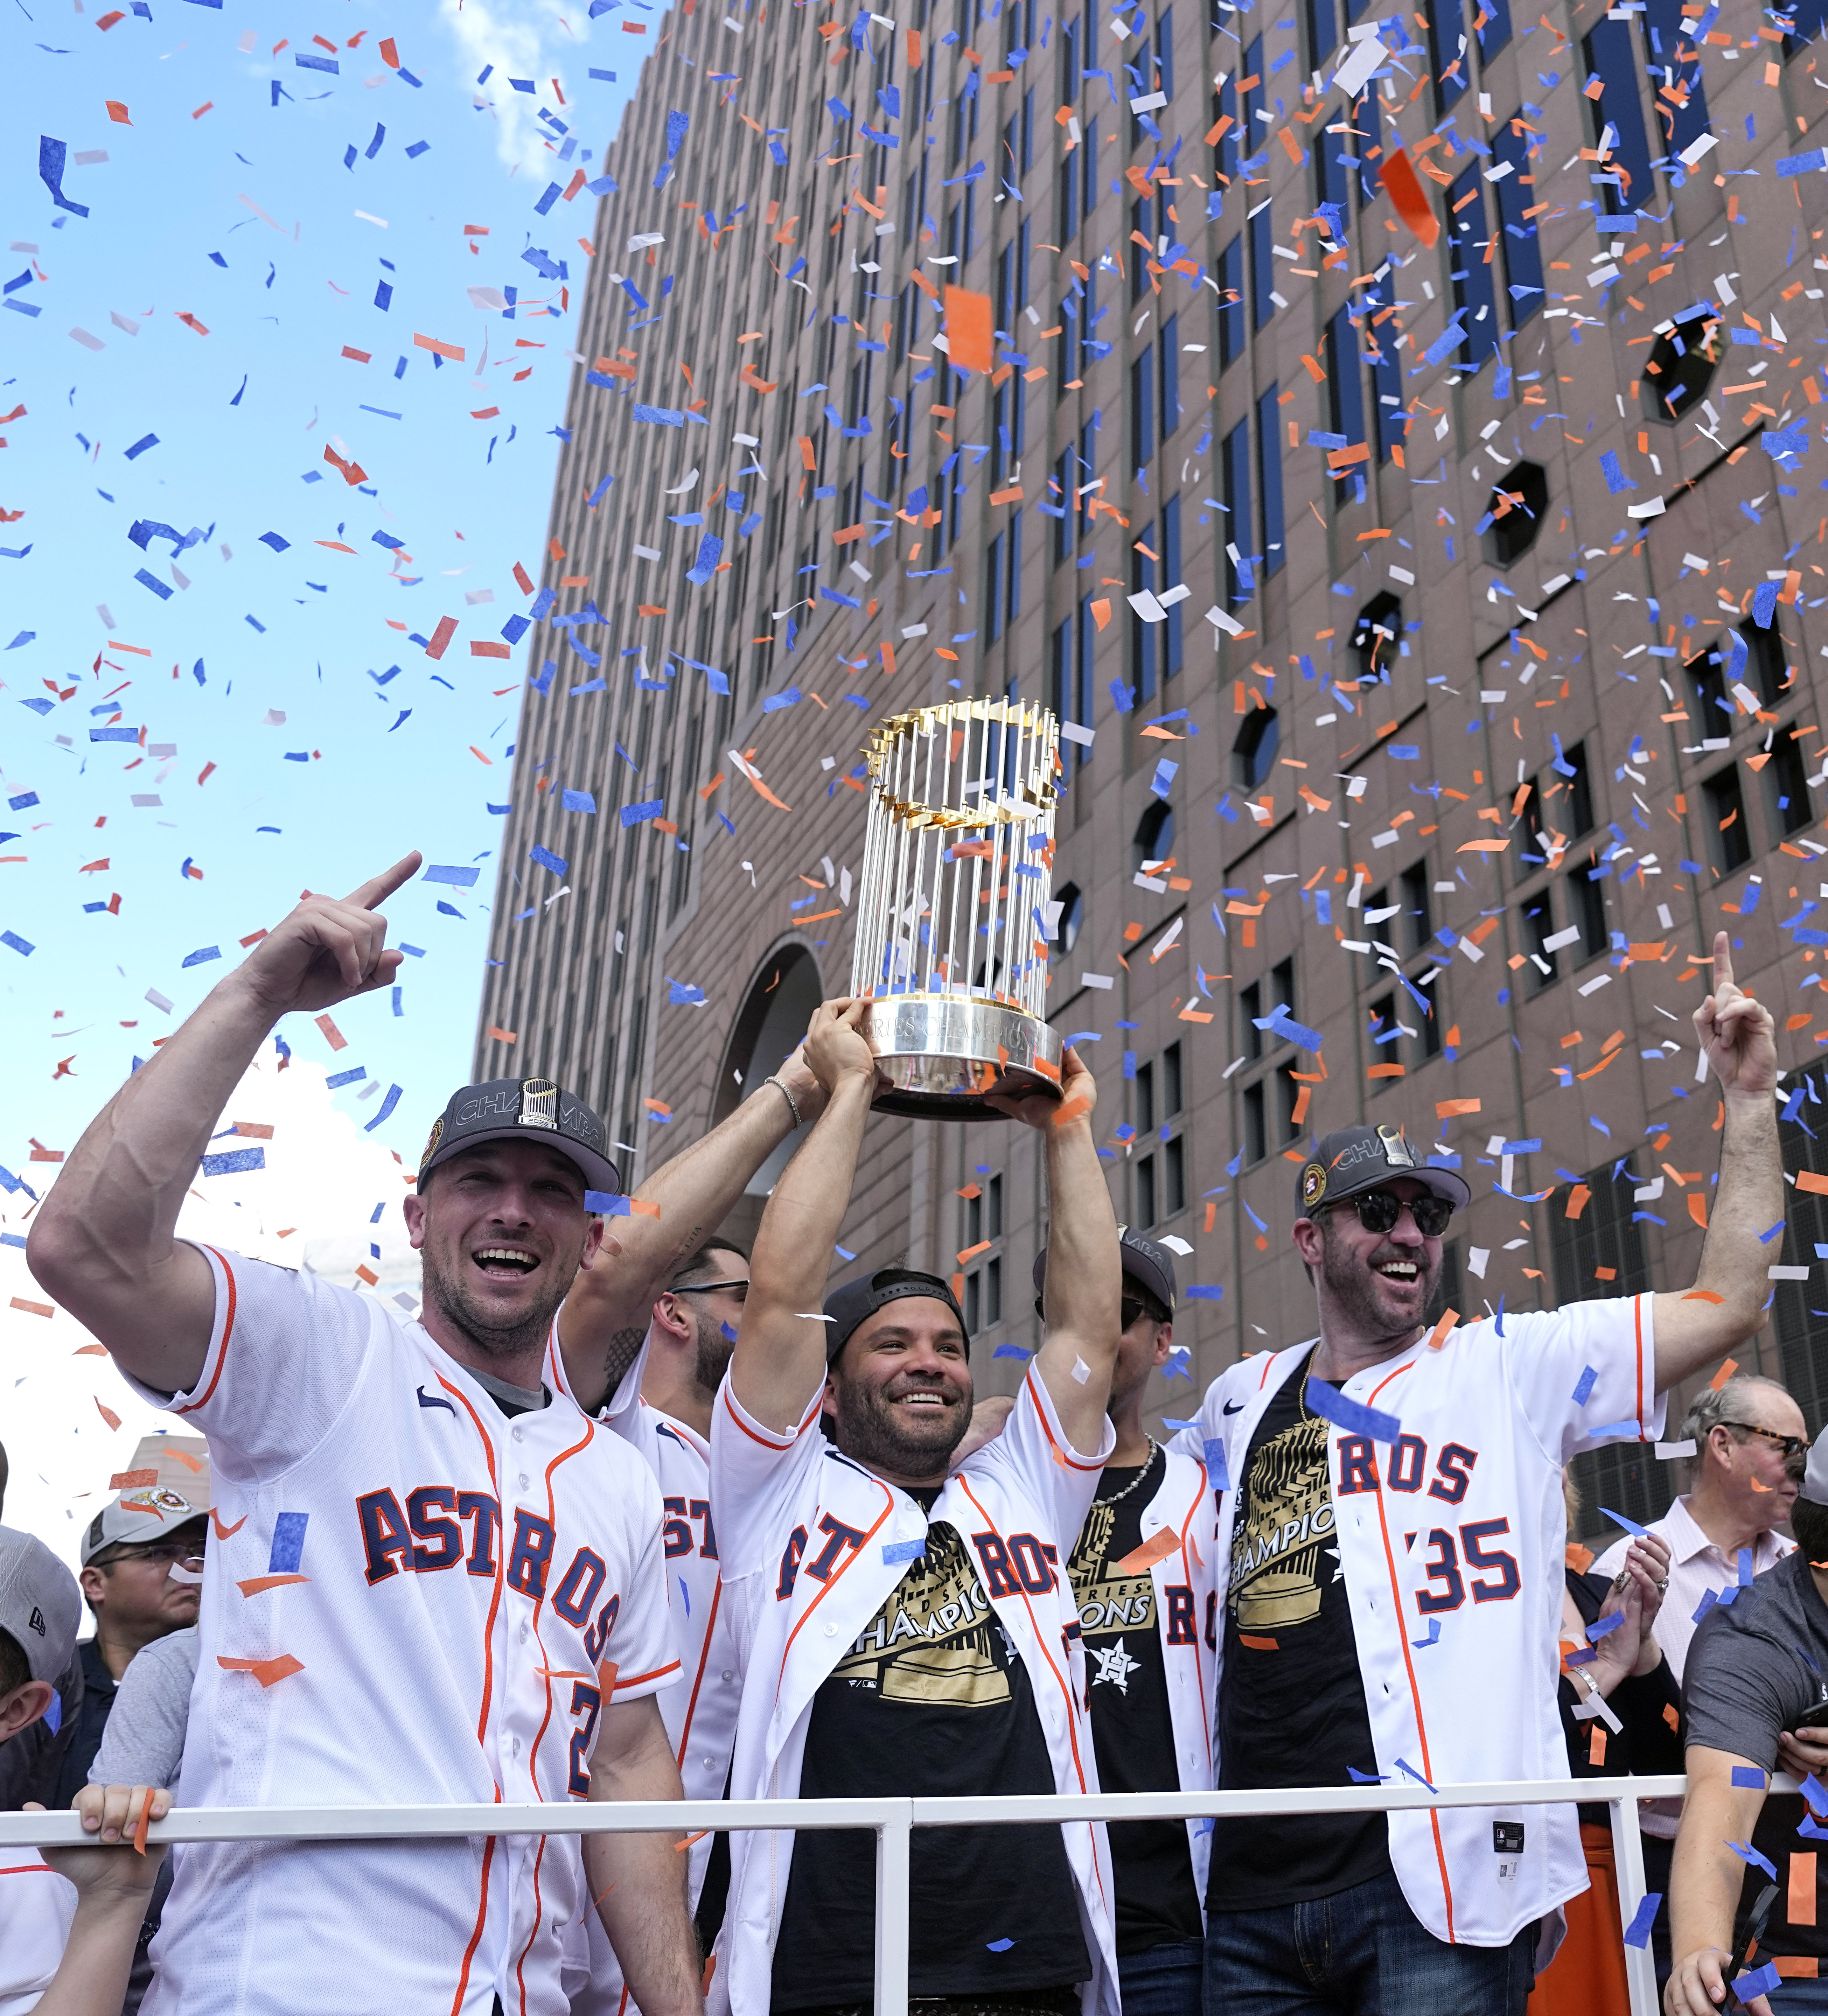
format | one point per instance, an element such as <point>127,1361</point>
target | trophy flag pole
<point>952,942</point>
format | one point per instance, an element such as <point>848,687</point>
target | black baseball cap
<point>847,1306</point>
<point>1353,1159</point>
<point>1146,1263</point>
<point>522,1109</point>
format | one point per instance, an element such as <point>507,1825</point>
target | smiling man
<point>907,1622</point>
<point>433,1579</point>
<point>1393,1515</point>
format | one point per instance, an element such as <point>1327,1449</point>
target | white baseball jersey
<point>700,1713</point>
<point>812,1545</point>
<point>413,1599</point>
<point>1450,1541</point>
<point>36,1907</point>
<point>1186,1584</point>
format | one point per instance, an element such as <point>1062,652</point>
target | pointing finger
<point>383,886</point>
<point>1722,961</point>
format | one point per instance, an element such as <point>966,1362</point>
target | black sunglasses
<point>1128,1310</point>
<point>710,1288</point>
<point>1380,1210</point>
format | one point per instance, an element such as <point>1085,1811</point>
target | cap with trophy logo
<point>522,1109</point>
<point>951,940</point>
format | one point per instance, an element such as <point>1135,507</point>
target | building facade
<point>1497,466</point>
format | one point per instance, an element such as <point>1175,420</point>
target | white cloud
<point>530,43</point>
<point>322,1180</point>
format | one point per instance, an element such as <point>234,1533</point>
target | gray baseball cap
<point>523,1109</point>
<point>40,1606</point>
<point>1358,1158</point>
<point>153,1513</point>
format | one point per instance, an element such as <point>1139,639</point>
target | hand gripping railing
<point>892,1820</point>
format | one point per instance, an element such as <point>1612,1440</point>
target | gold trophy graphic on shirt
<point>1276,1557</point>
<point>951,935</point>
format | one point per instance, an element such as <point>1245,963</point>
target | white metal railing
<point>892,1820</point>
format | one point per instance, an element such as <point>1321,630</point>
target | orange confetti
<point>225,1532</point>
<point>256,1584</point>
<point>32,1308</point>
<point>132,1479</point>
<point>1409,197</point>
<point>146,1816</point>
<point>1450,1108</point>
<point>107,1414</point>
<point>265,1670</point>
<point>332,1035</point>
<point>968,326</point>
<point>118,112</point>
<point>1732,1364</point>
<point>1140,1560</point>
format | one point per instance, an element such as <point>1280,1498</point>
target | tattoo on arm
<point>623,1345</point>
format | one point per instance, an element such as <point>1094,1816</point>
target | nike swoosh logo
<point>427,1400</point>
<point>1234,1407</point>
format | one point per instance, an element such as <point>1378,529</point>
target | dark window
<point>1072,916</point>
<point>994,1290</point>
<point>1427,1043</point>
<point>1144,576</point>
<point>1167,379</point>
<point>1253,754</point>
<point>1171,1080</point>
<point>1173,1177</point>
<point>1288,1092</point>
<point>1375,635</point>
<point>1625,179</point>
<point>1765,662</point>
<point>1269,480</point>
<point>994,598</point>
<point>1538,925</point>
<point>1155,835</point>
<point>1250,1014</point>
<point>1786,785</point>
<point>1256,1134</point>
<point>974,1289</point>
<point>1234,478</point>
<point>1345,389</point>
<point>1579,796</point>
<point>1681,367</point>
<point>1418,921</point>
<point>1230,303</point>
<point>1514,514</point>
<point>1493,27</point>
<point>993,1198</point>
<point>1383,1032</point>
<point>1067,523</point>
<point>1448,53</point>
<point>1282,984</point>
<point>1261,226</point>
<point>1225,152</point>
<point>1715,715</point>
<point>1728,841</point>
<point>1170,570</point>
<point>1377,335</point>
<point>1516,195</point>
<point>1600,1255</point>
<point>1323,32</point>
<point>1146,1098</point>
<point>1686,120</point>
<point>1142,406</point>
<point>1586,899</point>
<point>1469,249</point>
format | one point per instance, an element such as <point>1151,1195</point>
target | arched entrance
<point>782,993</point>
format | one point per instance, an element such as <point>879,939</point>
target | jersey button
<point>729,1676</point>
<point>518,1436</point>
<point>523,1480</point>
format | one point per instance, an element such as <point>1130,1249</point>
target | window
<point>1682,113</point>
<point>993,1196</point>
<point>1611,59</point>
<point>973,1301</point>
<point>1071,916</point>
<point>1417,923</point>
<point>1171,1081</point>
<point>1786,785</point>
<point>1323,32</point>
<point>1389,420</point>
<point>1728,844</point>
<point>1146,1098</point>
<point>1681,367</point>
<point>1579,812</point>
<point>1168,379</point>
<point>1765,653</point>
<point>1715,715</point>
<point>1587,901</point>
<point>1230,303</point>
<point>1066,524</point>
<point>1514,515</point>
<point>1447,51</point>
<point>1142,636</point>
<point>1345,390</point>
<point>1601,1253</point>
<point>1235,478</point>
<point>1376,634</point>
<point>1250,1014</point>
<point>1174,1176</point>
<point>1538,928</point>
<point>1261,226</point>
<point>1142,407</point>
<point>1155,836</point>
<point>1256,1134</point>
<point>1225,114</point>
<point>1269,480</point>
<point>1516,198</point>
<point>1253,754</point>
<point>993,593</point>
<point>994,1290</point>
<point>1169,569</point>
<point>1469,250</point>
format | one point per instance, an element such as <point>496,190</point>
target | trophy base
<point>944,1055</point>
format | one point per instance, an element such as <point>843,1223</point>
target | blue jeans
<point>1164,1980</point>
<point>1800,1998</point>
<point>1359,1953</point>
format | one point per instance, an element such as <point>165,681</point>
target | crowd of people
<point>631,1513</point>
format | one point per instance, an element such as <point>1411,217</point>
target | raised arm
<point>1707,1881</point>
<point>606,1315</point>
<point>779,1362</point>
<point>1726,1305</point>
<point>102,1242</point>
<point>1085,1269</point>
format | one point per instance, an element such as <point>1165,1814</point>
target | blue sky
<point>248,218</point>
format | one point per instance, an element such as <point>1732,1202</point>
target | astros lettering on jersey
<point>813,1546</point>
<point>407,1597</point>
<point>1450,1541</point>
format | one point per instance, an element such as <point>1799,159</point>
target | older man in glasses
<point>1392,1514</point>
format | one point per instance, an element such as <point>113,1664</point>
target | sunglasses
<point>1128,1310</point>
<point>167,1551</point>
<point>1795,1449</point>
<point>710,1288</point>
<point>1380,1210</point>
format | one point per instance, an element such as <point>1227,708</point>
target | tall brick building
<point>1505,703</point>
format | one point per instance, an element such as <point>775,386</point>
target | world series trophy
<point>951,933</point>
